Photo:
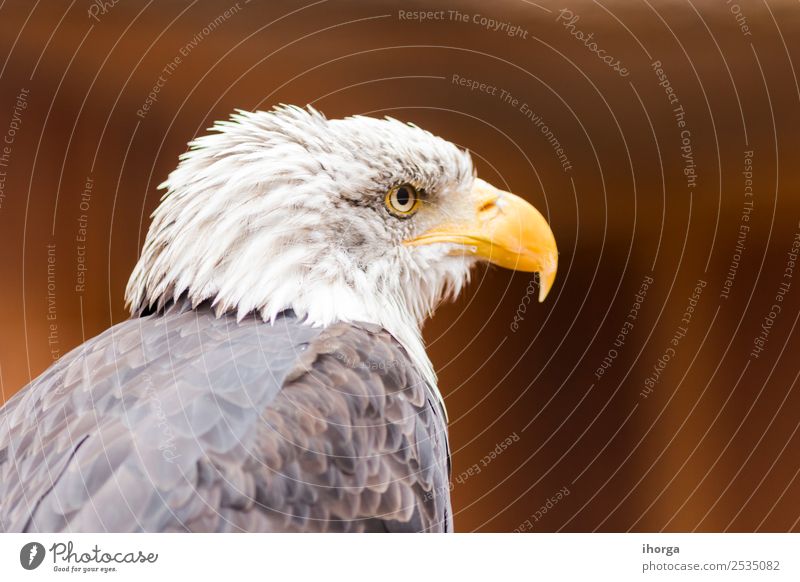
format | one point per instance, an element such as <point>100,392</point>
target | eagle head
<point>355,219</point>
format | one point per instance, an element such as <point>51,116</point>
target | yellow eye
<point>403,200</point>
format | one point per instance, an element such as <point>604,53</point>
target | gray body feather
<point>186,422</point>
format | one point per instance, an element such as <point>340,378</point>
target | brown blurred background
<point>711,446</point>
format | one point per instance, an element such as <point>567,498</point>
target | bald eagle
<point>272,376</point>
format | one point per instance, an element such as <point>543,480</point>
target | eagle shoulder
<point>186,421</point>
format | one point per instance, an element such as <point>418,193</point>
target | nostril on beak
<point>487,205</point>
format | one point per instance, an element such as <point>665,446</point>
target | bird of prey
<point>272,376</point>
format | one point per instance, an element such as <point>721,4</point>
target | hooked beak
<point>506,231</point>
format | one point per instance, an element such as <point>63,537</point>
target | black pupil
<point>403,197</point>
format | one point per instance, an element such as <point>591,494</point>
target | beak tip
<point>546,279</point>
<point>542,294</point>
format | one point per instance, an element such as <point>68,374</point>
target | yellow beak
<point>505,230</point>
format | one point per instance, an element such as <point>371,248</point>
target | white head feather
<point>285,210</point>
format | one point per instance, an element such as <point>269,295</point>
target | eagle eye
<point>403,200</point>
